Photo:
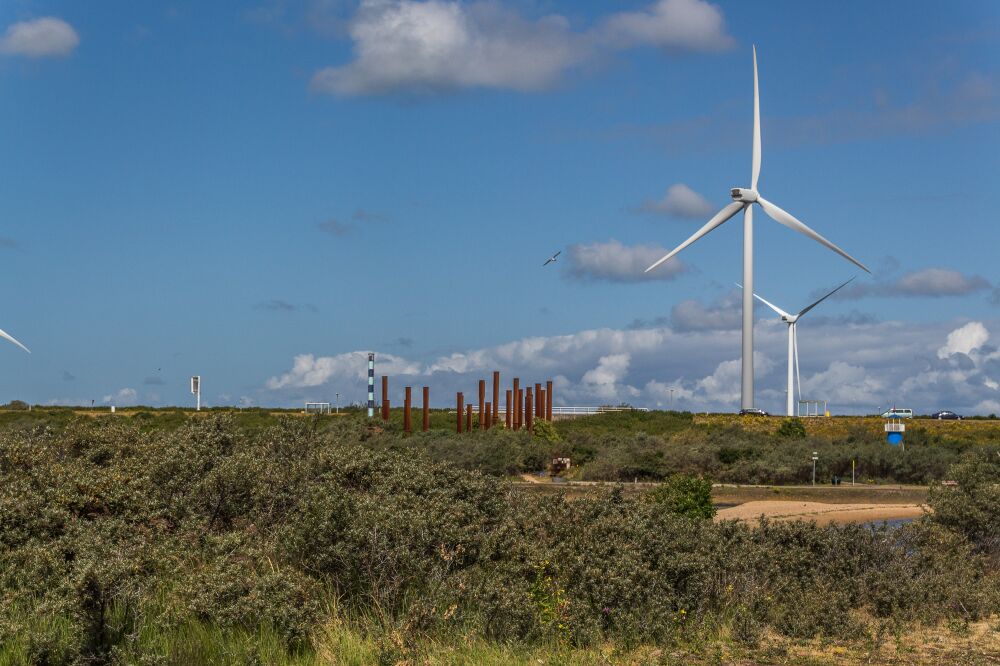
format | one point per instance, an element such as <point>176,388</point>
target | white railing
<point>573,411</point>
<point>583,411</point>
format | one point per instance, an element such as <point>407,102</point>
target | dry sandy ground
<point>820,512</point>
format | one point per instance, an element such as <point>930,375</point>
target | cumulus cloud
<point>723,314</point>
<point>444,45</point>
<point>692,25</point>
<point>440,45</point>
<point>963,340</point>
<point>614,262</point>
<point>857,368</point>
<point>44,37</point>
<point>679,201</point>
<point>126,396</point>
<point>310,371</point>
<point>927,283</point>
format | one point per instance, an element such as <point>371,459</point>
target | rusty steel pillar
<point>407,403</point>
<point>385,398</point>
<point>507,411</point>
<point>540,412</point>
<point>518,408</point>
<point>538,398</point>
<point>496,397</point>
<point>488,420</point>
<point>482,401</point>
<point>427,408</point>
<point>459,399</point>
<point>517,404</point>
<point>548,400</point>
<point>528,407</point>
<point>468,418</point>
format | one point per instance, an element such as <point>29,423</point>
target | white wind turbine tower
<point>793,341</point>
<point>744,200</point>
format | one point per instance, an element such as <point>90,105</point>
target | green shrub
<point>792,428</point>
<point>684,495</point>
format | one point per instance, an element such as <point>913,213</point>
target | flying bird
<point>552,259</point>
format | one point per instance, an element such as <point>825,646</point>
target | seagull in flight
<point>552,259</point>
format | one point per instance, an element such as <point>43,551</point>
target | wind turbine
<point>743,200</point>
<point>793,340</point>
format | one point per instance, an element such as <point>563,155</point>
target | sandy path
<point>820,512</point>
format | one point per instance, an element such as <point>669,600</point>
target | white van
<point>898,413</point>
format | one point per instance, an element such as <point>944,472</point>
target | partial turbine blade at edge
<point>756,125</point>
<point>784,217</point>
<point>807,309</point>
<point>719,218</point>
<point>6,336</point>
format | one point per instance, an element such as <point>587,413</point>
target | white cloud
<point>693,25</point>
<point>615,262</point>
<point>310,371</point>
<point>856,367</point>
<point>939,282</point>
<point>40,38</point>
<point>441,45</point>
<point>934,282</point>
<point>725,313</point>
<point>126,396</point>
<point>680,201</point>
<point>963,340</point>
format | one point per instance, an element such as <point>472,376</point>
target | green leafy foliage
<point>685,495</point>
<point>792,429</point>
<point>119,543</point>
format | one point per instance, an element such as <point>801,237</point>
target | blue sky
<point>223,188</point>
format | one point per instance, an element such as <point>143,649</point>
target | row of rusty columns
<point>522,407</point>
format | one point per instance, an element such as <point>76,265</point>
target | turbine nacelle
<point>744,195</point>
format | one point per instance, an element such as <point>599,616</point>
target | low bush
<point>115,541</point>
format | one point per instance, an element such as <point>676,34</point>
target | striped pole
<point>371,385</point>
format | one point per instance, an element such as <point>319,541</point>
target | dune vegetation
<point>325,540</point>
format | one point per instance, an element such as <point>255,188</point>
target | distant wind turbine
<point>552,258</point>
<point>744,200</point>
<point>793,340</point>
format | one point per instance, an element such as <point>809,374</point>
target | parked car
<point>945,415</point>
<point>753,411</point>
<point>898,413</point>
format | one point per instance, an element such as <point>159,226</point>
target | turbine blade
<point>756,125</point>
<point>6,336</point>
<point>772,306</point>
<point>783,217</point>
<point>719,218</point>
<point>807,309</point>
<point>795,346</point>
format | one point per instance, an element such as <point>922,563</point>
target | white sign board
<point>196,384</point>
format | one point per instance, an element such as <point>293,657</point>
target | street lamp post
<point>338,402</point>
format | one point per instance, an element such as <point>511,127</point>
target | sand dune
<point>820,512</point>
